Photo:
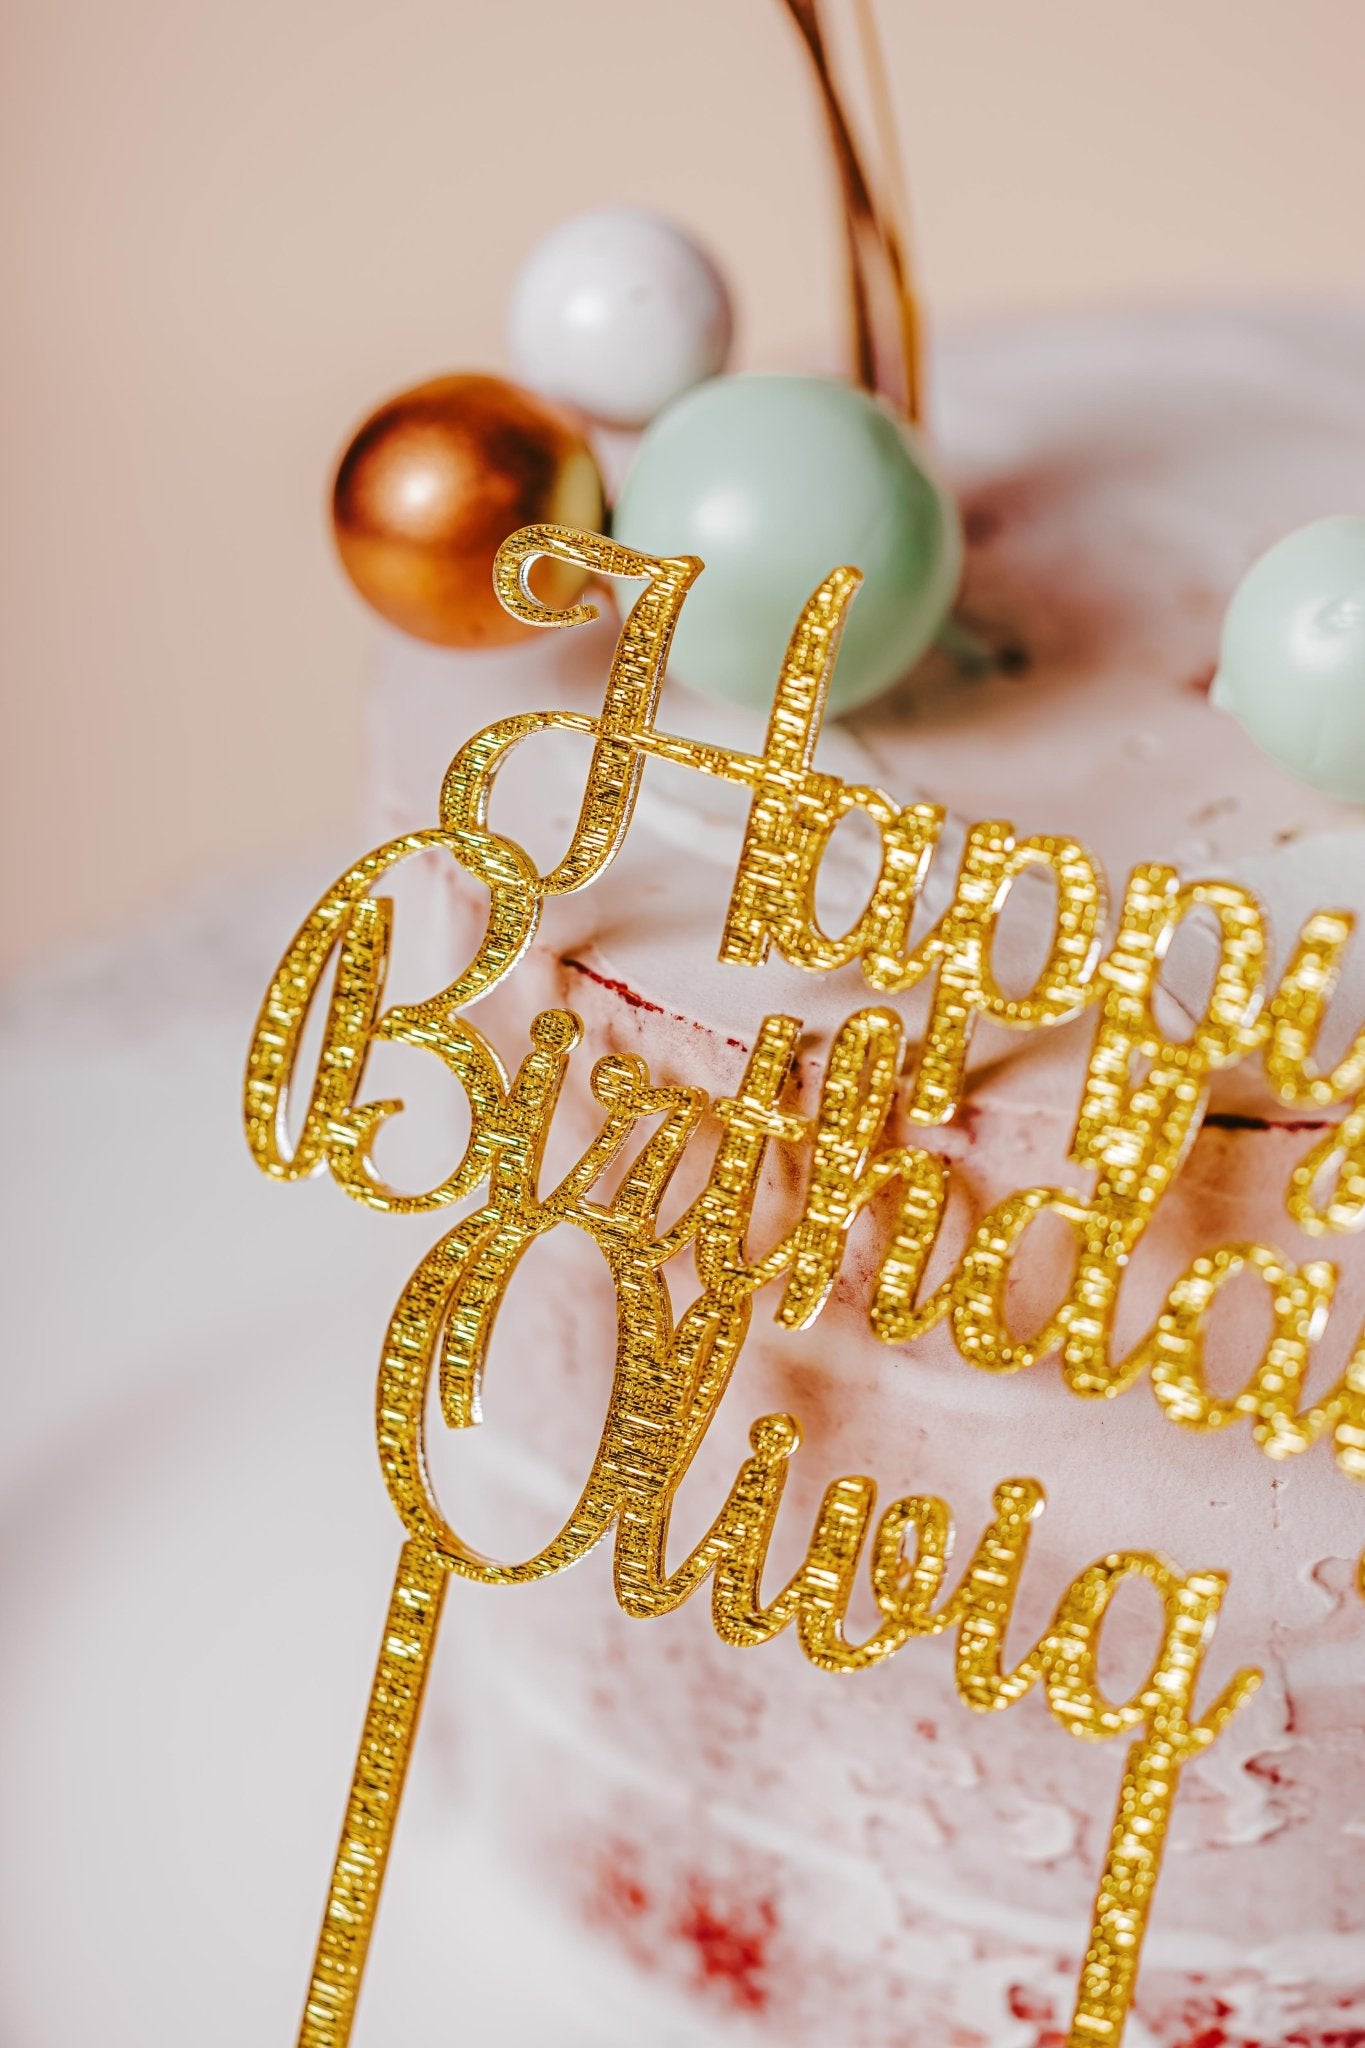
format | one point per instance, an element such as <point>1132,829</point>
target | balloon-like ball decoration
<point>774,481</point>
<point>1292,665</point>
<point>618,313</point>
<point>432,485</point>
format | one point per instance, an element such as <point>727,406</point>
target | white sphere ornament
<point>618,313</point>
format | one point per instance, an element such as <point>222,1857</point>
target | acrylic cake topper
<point>1141,1104</point>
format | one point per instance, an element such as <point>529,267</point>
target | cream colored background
<point>230,226</point>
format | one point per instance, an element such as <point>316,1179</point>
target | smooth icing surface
<point>769,1842</point>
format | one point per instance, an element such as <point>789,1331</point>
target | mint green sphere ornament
<point>1292,666</point>
<point>774,481</point>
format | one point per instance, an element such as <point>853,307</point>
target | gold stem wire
<point>896,202</point>
<point>381,1766</point>
<point>887,356</point>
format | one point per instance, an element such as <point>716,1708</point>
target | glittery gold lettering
<point>1142,1101</point>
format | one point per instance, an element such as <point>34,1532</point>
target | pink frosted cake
<point>762,1845</point>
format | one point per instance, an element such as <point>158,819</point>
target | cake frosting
<point>744,1831</point>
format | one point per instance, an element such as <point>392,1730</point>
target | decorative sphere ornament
<point>1292,665</point>
<point>774,481</point>
<point>432,485</point>
<point>618,313</point>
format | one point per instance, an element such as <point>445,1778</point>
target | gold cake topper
<point>1142,1101</point>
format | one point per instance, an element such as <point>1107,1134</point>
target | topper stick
<point>381,1766</point>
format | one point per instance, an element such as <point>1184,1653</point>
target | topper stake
<point>381,1767</point>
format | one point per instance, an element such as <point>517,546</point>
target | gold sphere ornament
<point>433,484</point>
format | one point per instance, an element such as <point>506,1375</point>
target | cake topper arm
<point>883,308</point>
<point>381,1767</point>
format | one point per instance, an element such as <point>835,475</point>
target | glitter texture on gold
<point>1141,1103</point>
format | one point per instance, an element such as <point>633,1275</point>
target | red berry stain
<point>1232,1120</point>
<point>731,1948</point>
<point>618,1897</point>
<point>636,1001</point>
<point>1025,2004</point>
<point>618,988</point>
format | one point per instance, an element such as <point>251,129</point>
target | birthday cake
<point>768,1848</point>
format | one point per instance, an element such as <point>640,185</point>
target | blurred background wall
<point>230,226</point>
